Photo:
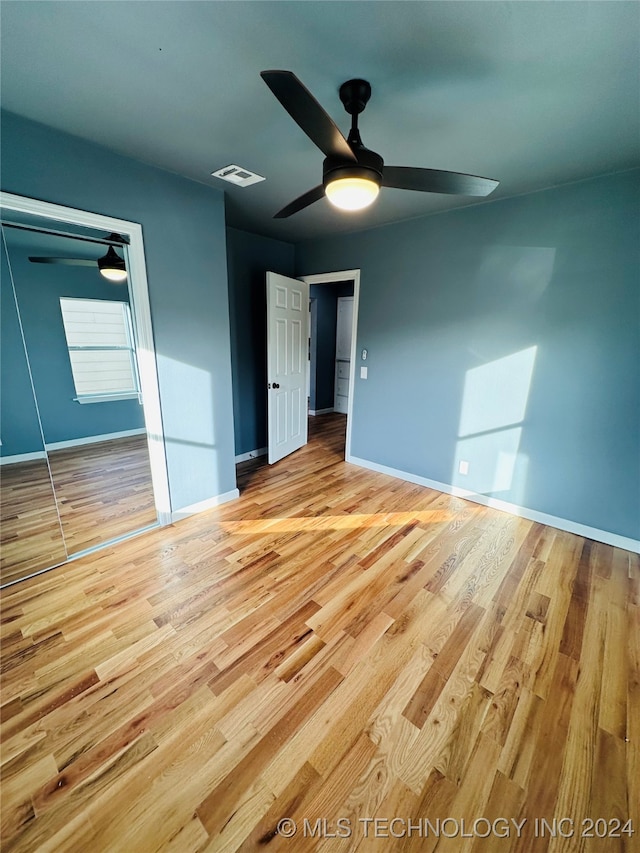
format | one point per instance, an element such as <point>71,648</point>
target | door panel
<point>287,333</point>
<point>296,426</point>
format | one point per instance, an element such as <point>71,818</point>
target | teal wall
<point>249,258</point>
<point>184,236</point>
<point>506,334</point>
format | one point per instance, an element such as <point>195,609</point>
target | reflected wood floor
<point>336,644</point>
<point>30,532</point>
<point>102,491</point>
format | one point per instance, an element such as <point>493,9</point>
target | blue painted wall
<point>39,288</point>
<point>249,256</point>
<point>506,334</point>
<point>19,425</point>
<point>184,235</point>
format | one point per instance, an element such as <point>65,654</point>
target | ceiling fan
<point>111,265</point>
<point>352,174</point>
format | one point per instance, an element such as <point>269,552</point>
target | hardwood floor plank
<point>334,644</point>
<point>425,697</point>
<point>608,794</point>
<point>543,776</point>
<point>292,800</point>
<point>219,806</point>
<point>473,796</point>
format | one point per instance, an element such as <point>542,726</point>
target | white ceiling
<point>534,94</point>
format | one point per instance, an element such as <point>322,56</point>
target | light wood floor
<point>102,491</point>
<point>334,645</point>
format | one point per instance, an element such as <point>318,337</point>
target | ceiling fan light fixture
<point>352,193</point>
<point>352,187</point>
<point>112,266</point>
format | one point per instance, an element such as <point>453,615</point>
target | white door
<point>287,336</point>
<point>343,354</point>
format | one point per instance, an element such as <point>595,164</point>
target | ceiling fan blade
<point>308,114</point>
<point>301,202</point>
<point>436,181</point>
<point>72,262</point>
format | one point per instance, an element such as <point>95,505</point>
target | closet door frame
<point>141,318</point>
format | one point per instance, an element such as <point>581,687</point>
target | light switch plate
<point>363,372</point>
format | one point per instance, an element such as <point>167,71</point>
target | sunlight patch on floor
<point>336,522</point>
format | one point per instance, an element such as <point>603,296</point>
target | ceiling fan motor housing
<point>355,95</point>
<point>369,166</point>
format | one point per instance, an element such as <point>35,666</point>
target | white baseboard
<point>22,457</point>
<point>252,454</point>
<point>74,442</point>
<point>210,503</point>
<point>94,439</point>
<point>624,542</point>
<point>321,411</point>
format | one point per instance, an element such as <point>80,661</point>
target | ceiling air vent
<point>238,176</point>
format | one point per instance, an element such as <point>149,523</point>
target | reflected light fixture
<point>112,266</point>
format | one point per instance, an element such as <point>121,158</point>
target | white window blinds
<point>100,342</point>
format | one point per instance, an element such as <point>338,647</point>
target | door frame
<point>331,278</point>
<point>141,315</point>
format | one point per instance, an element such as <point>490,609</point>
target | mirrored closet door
<point>75,467</point>
<point>29,522</point>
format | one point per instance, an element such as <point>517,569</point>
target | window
<point>101,349</point>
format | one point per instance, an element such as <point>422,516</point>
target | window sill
<point>107,398</point>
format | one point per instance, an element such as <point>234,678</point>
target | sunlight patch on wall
<point>495,394</point>
<point>191,419</point>
<point>189,429</point>
<point>493,409</point>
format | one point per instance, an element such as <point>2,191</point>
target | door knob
<point>276,385</point>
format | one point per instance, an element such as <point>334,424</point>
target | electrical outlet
<point>463,467</point>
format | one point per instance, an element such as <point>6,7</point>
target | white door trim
<point>141,312</point>
<point>328,278</point>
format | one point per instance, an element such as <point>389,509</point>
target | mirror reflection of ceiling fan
<point>352,174</point>
<point>110,265</point>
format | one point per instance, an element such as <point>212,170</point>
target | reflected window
<point>101,349</point>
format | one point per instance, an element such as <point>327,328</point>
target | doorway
<point>332,370</point>
<point>330,333</point>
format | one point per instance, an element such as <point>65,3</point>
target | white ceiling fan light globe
<point>114,275</point>
<point>112,266</point>
<point>352,193</point>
